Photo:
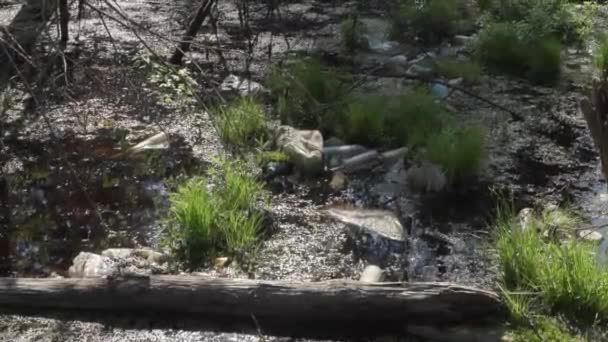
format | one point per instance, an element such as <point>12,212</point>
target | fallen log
<point>21,34</point>
<point>328,301</point>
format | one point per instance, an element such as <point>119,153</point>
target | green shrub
<point>205,221</point>
<point>364,120</point>
<point>431,20</point>
<point>502,47</point>
<point>600,56</point>
<point>542,18</point>
<point>452,68</point>
<point>561,275</point>
<point>307,95</point>
<point>353,33</point>
<point>458,151</point>
<point>413,117</point>
<point>241,122</point>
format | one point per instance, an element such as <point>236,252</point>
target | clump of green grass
<point>542,328</point>
<point>364,120</point>
<point>241,122</point>
<point>600,56</point>
<point>265,157</point>
<point>501,46</point>
<point>308,96</point>
<point>413,117</point>
<point>431,20</point>
<point>206,221</point>
<point>562,275</point>
<point>458,150</point>
<point>353,33</point>
<point>469,71</point>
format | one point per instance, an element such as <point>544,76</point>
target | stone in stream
<point>372,274</point>
<point>426,177</point>
<point>91,265</point>
<point>363,161</point>
<point>440,90</point>
<point>303,147</point>
<point>334,156</point>
<point>376,233</point>
<point>241,85</point>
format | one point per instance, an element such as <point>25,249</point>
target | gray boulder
<point>303,147</point>
<point>91,265</point>
<point>377,234</point>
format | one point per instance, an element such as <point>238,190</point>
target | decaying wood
<point>595,111</point>
<point>201,14</point>
<point>333,300</point>
<point>21,34</point>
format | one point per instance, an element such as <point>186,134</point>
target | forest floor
<point>58,162</point>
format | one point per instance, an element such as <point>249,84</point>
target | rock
<point>380,222</point>
<point>376,234</point>
<point>440,90</point>
<point>303,148</point>
<point>151,255</point>
<point>590,235</point>
<point>397,64</point>
<point>456,81</point>
<point>159,141</point>
<point>274,169</point>
<point>366,160</point>
<point>392,156</point>
<point>418,70</point>
<point>338,181</point>
<point>372,274</point>
<point>427,177</point>
<point>117,253</point>
<point>91,265</point>
<point>525,217</point>
<point>220,262</point>
<point>243,86</point>
<point>334,156</point>
<point>463,40</point>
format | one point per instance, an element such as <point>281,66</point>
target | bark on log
<point>201,14</point>
<point>441,303</point>
<point>21,34</point>
<point>595,111</point>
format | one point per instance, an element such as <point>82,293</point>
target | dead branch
<point>197,21</point>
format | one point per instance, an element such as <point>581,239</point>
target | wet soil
<point>63,189</point>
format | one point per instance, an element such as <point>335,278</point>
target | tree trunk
<point>64,14</point>
<point>438,303</point>
<point>595,111</point>
<point>21,35</point>
<point>195,25</point>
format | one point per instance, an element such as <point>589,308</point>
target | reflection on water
<point>52,211</point>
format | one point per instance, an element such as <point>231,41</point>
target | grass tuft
<point>600,56</point>
<point>453,68</point>
<point>241,122</point>
<point>502,46</point>
<point>431,20</point>
<point>364,121</point>
<point>206,221</point>
<point>458,150</point>
<point>562,275</point>
<point>307,95</point>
